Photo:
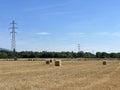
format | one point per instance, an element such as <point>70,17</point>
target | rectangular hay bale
<point>47,61</point>
<point>58,63</point>
<point>104,62</point>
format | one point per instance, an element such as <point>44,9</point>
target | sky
<point>60,25</point>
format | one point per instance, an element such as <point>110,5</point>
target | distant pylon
<point>13,41</point>
<point>78,47</point>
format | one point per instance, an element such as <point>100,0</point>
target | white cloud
<point>100,34</point>
<point>112,34</point>
<point>43,33</point>
<point>117,34</point>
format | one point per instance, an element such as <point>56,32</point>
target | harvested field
<point>72,75</point>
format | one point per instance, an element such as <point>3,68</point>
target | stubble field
<point>72,75</point>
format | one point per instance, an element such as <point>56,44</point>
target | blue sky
<point>60,25</point>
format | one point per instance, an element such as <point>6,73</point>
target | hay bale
<point>47,61</point>
<point>58,63</point>
<point>104,62</point>
<point>51,60</point>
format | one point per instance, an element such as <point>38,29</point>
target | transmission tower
<point>78,47</point>
<point>13,41</point>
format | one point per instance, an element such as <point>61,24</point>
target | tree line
<point>45,54</point>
